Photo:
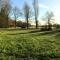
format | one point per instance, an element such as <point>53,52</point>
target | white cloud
<point>44,6</point>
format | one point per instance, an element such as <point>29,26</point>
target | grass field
<point>29,45</point>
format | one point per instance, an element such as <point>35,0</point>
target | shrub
<point>45,28</point>
<point>22,24</point>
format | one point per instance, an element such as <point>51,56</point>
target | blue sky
<point>50,5</point>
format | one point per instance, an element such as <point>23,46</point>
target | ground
<point>18,44</point>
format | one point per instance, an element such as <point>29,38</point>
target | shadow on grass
<point>57,36</point>
<point>45,32</point>
<point>37,32</point>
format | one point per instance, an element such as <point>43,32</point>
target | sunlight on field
<point>29,29</point>
<point>16,44</point>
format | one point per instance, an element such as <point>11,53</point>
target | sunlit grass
<point>22,44</point>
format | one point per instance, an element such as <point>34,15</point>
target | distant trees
<point>36,10</point>
<point>22,24</point>
<point>27,13</point>
<point>6,10</point>
<point>50,21</point>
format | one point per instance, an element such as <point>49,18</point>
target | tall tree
<point>5,11</point>
<point>16,13</point>
<point>36,10</point>
<point>26,13</point>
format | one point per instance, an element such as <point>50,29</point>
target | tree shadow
<point>45,32</point>
<point>37,32</point>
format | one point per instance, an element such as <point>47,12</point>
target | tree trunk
<point>36,22</point>
<point>7,25</point>
<point>27,21</point>
<point>49,25</point>
<point>15,23</point>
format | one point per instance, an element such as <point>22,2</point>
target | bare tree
<point>36,10</point>
<point>49,15</point>
<point>26,13</point>
<point>7,12</point>
<point>16,13</point>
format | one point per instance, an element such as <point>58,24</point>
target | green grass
<point>29,45</point>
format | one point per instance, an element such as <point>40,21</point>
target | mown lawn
<point>29,45</point>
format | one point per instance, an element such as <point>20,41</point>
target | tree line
<point>6,11</point>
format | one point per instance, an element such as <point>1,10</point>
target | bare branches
<point>36,10</point>
<point>26,13</point>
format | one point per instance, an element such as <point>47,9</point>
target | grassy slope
<point>33,46</point>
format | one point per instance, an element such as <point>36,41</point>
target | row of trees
<point>7,11</point>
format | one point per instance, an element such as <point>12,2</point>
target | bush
<point>19,23</point>
<point>45,28</point>
<point>22,24</point>
<point>57,26</point>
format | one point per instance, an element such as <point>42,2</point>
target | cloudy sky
<point>45,5</point>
